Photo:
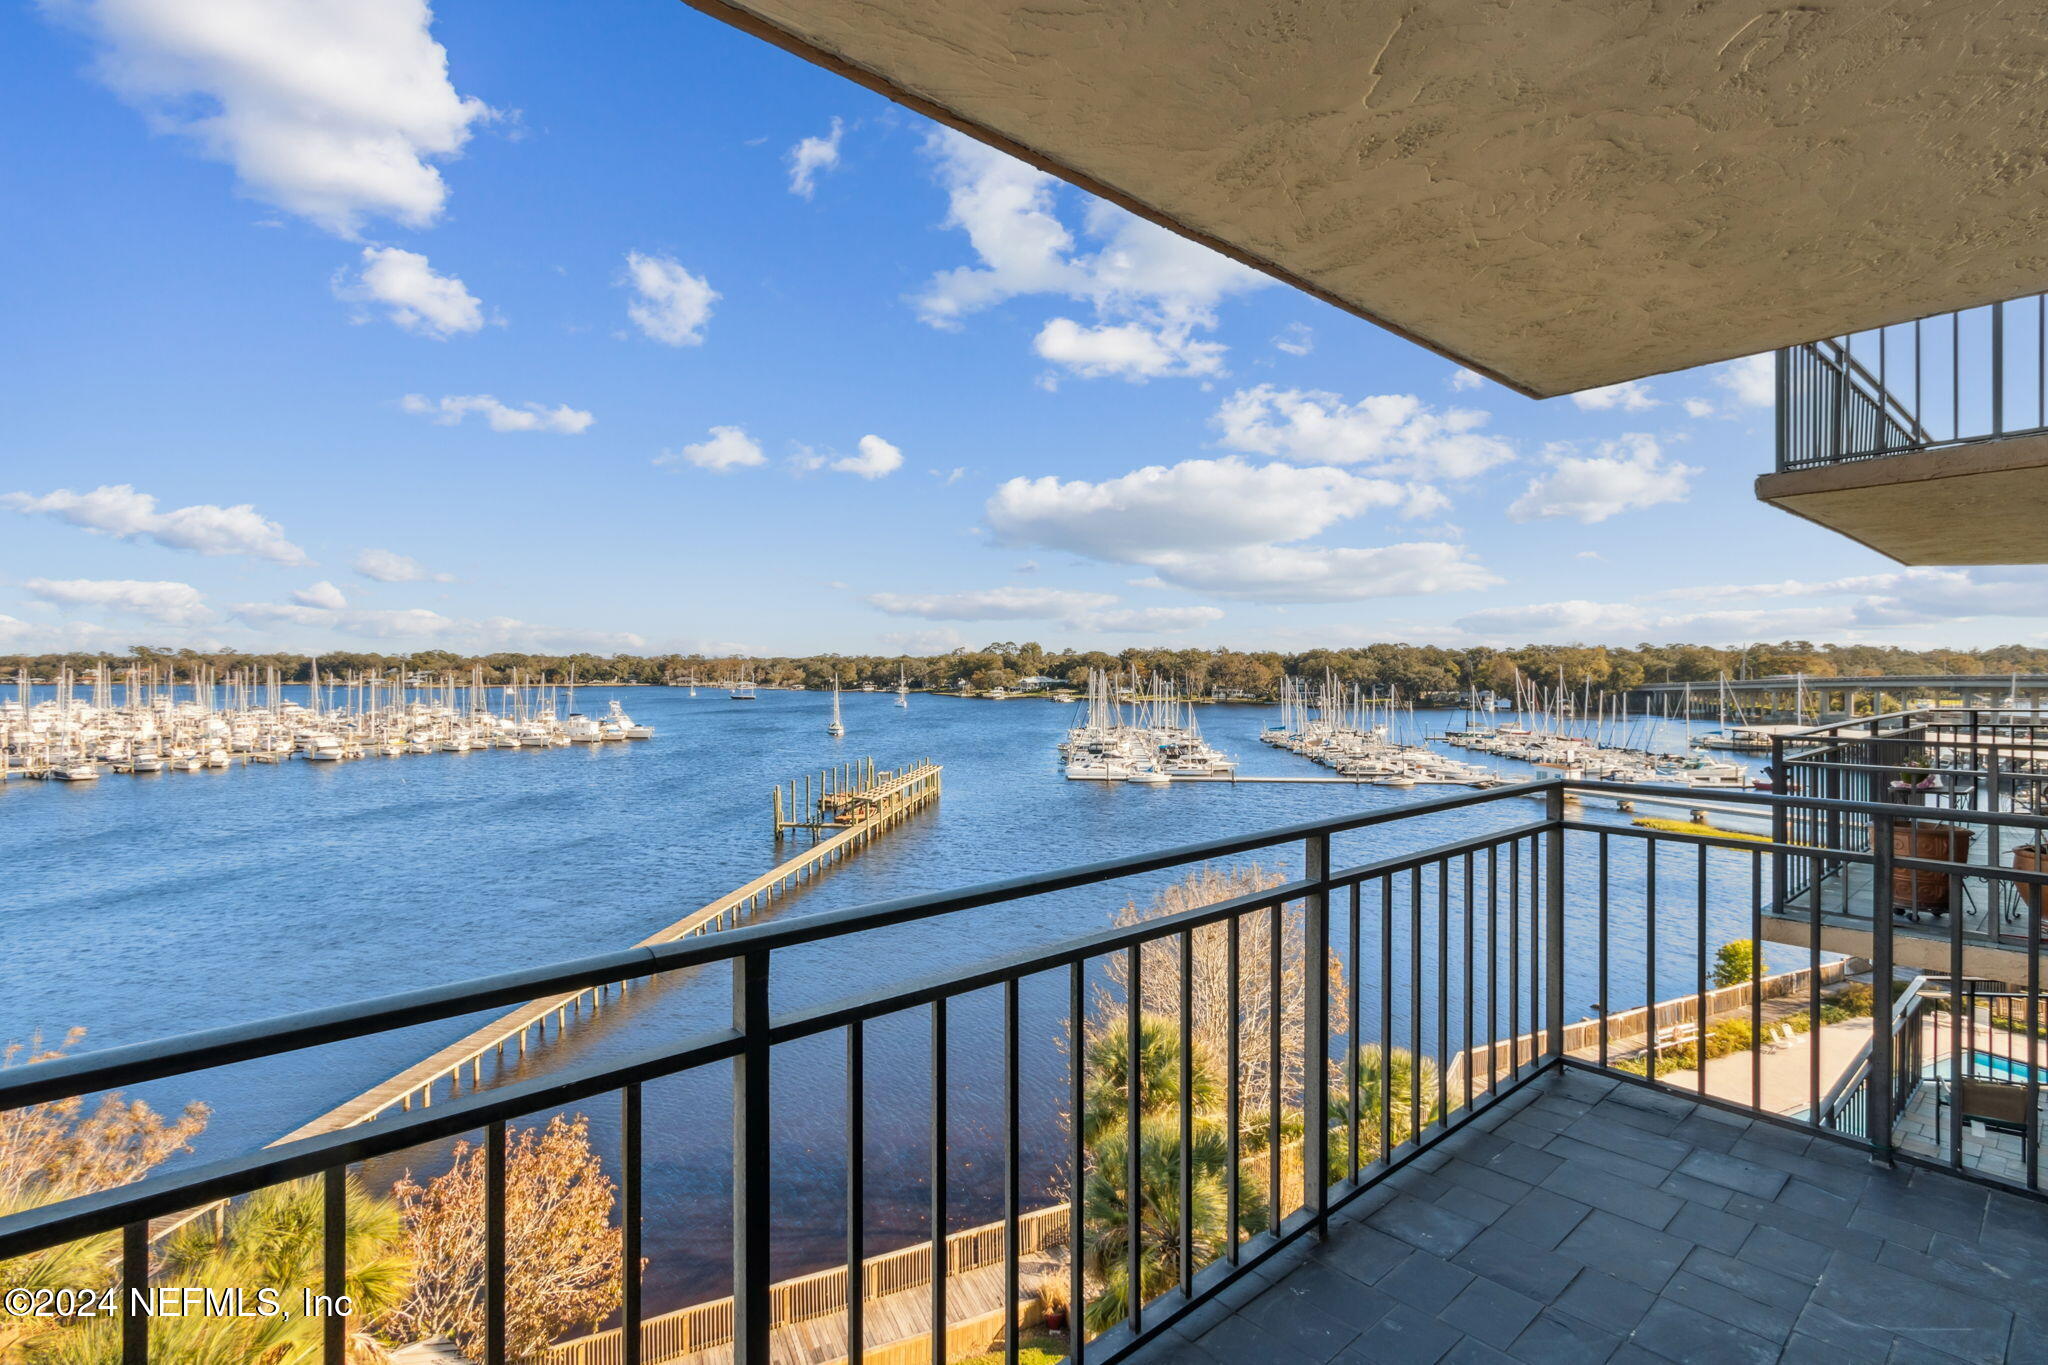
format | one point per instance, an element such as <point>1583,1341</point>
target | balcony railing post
<point>1316,1028</point>
<point>1879,1122</point>
<point>750,1160</point>
<point>1780,821</point>
<point>1553,921</point>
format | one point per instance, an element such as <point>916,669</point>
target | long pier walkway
<point>856,805</point>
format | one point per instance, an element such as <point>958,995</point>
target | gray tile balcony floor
<point>1586,1220</point>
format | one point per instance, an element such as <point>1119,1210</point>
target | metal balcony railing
<point>1976,375</point>
<point>1435,982</point>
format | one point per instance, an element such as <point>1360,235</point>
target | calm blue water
<point>139,907</point>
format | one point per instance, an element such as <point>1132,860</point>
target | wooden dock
<point>807,1314</point>
<point>857,805</point>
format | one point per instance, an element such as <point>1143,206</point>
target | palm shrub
<point>1107,1192</point>
<point>274,1239</point>
<point>1384,1086</point>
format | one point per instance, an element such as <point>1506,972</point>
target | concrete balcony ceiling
<point>1559,195</point>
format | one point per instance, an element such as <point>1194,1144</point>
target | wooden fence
<point>820,1294</point>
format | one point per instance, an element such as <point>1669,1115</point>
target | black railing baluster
<point>1415,1110</point>
<point>631,1197</point>
<point>2031,896</point>
<point>750,1160</point>
<point>1515,959</point>
<point>1600,925</point>
<point>1386,1076</point>
<point>334,1264</point>
<point>1443,991</point>
<point>1699,1009</point>
<point>135,1294</point>
<point>1355,1122</point>
<point>1134,1293</point>
<point>494,1243</point>
<point>1276,1021</point>
<point>941,1262</point>
<point>1233,1063</point>
<point>1756,980</point>
<point>1552,947</point>
<point>1012,1156</point>
<point>1650,953</point>
<point>1465,910</point>
<point>1077,1176</point>
<point>856,1190</point>
<point>1187,1113</point>
<point>1315,1034</point>
<point>1492,968</point>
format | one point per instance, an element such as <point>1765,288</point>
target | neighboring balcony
<point>1926,441</point>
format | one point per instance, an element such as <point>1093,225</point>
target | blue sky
<point>512,325</point>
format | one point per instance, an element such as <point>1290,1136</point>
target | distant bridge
<point>1794,696</point>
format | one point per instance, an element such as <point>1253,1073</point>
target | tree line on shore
<point>1416,670</point>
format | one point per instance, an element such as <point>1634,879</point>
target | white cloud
<point>322,594</point>
<point>992,604</point>
<point>405,286</point>
<point>1310,573</point>
<point>328,109</point>
<point>1150,289</point>
<point>1630,396</point>
<point>670,305</point>
<point>726,448</point>
<point>450,409</point>
<point>1222,527</point>
<point>1152,620</point>
<point>1085,610</point>
<point>1197,503</point>
<point>118,510</point>
<point>1753,380</point>
<point>1295,339</point>
<point>1698,407</point>
<point>1129,350</point>
<point>176,604</point>
<point>877,458</point>
<point>1390,433</point>
<point>943,640</point>
<point>424,627</point>
<point>388,566</point>
<point>1621,476</point>
<point>812,155</point>
<point>1856,607</point>
<point>47,637</point>
<point>1464,380</point>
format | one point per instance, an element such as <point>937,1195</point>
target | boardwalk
<point>881,802</point>
<point>808,1314</point>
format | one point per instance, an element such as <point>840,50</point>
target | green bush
<point>1857,998</point>
<point>1735,963</point>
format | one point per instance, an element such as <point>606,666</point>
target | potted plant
<point>1052,1302</point>
<point>1915,782</point>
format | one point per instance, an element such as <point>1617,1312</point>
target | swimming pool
<point>2002,1068</point>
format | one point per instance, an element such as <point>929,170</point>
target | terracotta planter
<point>1918,890</point>
<point>2032,858</point>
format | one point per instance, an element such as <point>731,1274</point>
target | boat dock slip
<point>853,806</point>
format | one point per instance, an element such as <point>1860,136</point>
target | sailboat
<point>903,688</point>
<point>837,728</point>
<point>742,690</point>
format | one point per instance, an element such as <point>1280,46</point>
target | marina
<point>150,722</point>
<point>306,881</point>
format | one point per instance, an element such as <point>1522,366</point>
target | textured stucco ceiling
<point>1563,195</point>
